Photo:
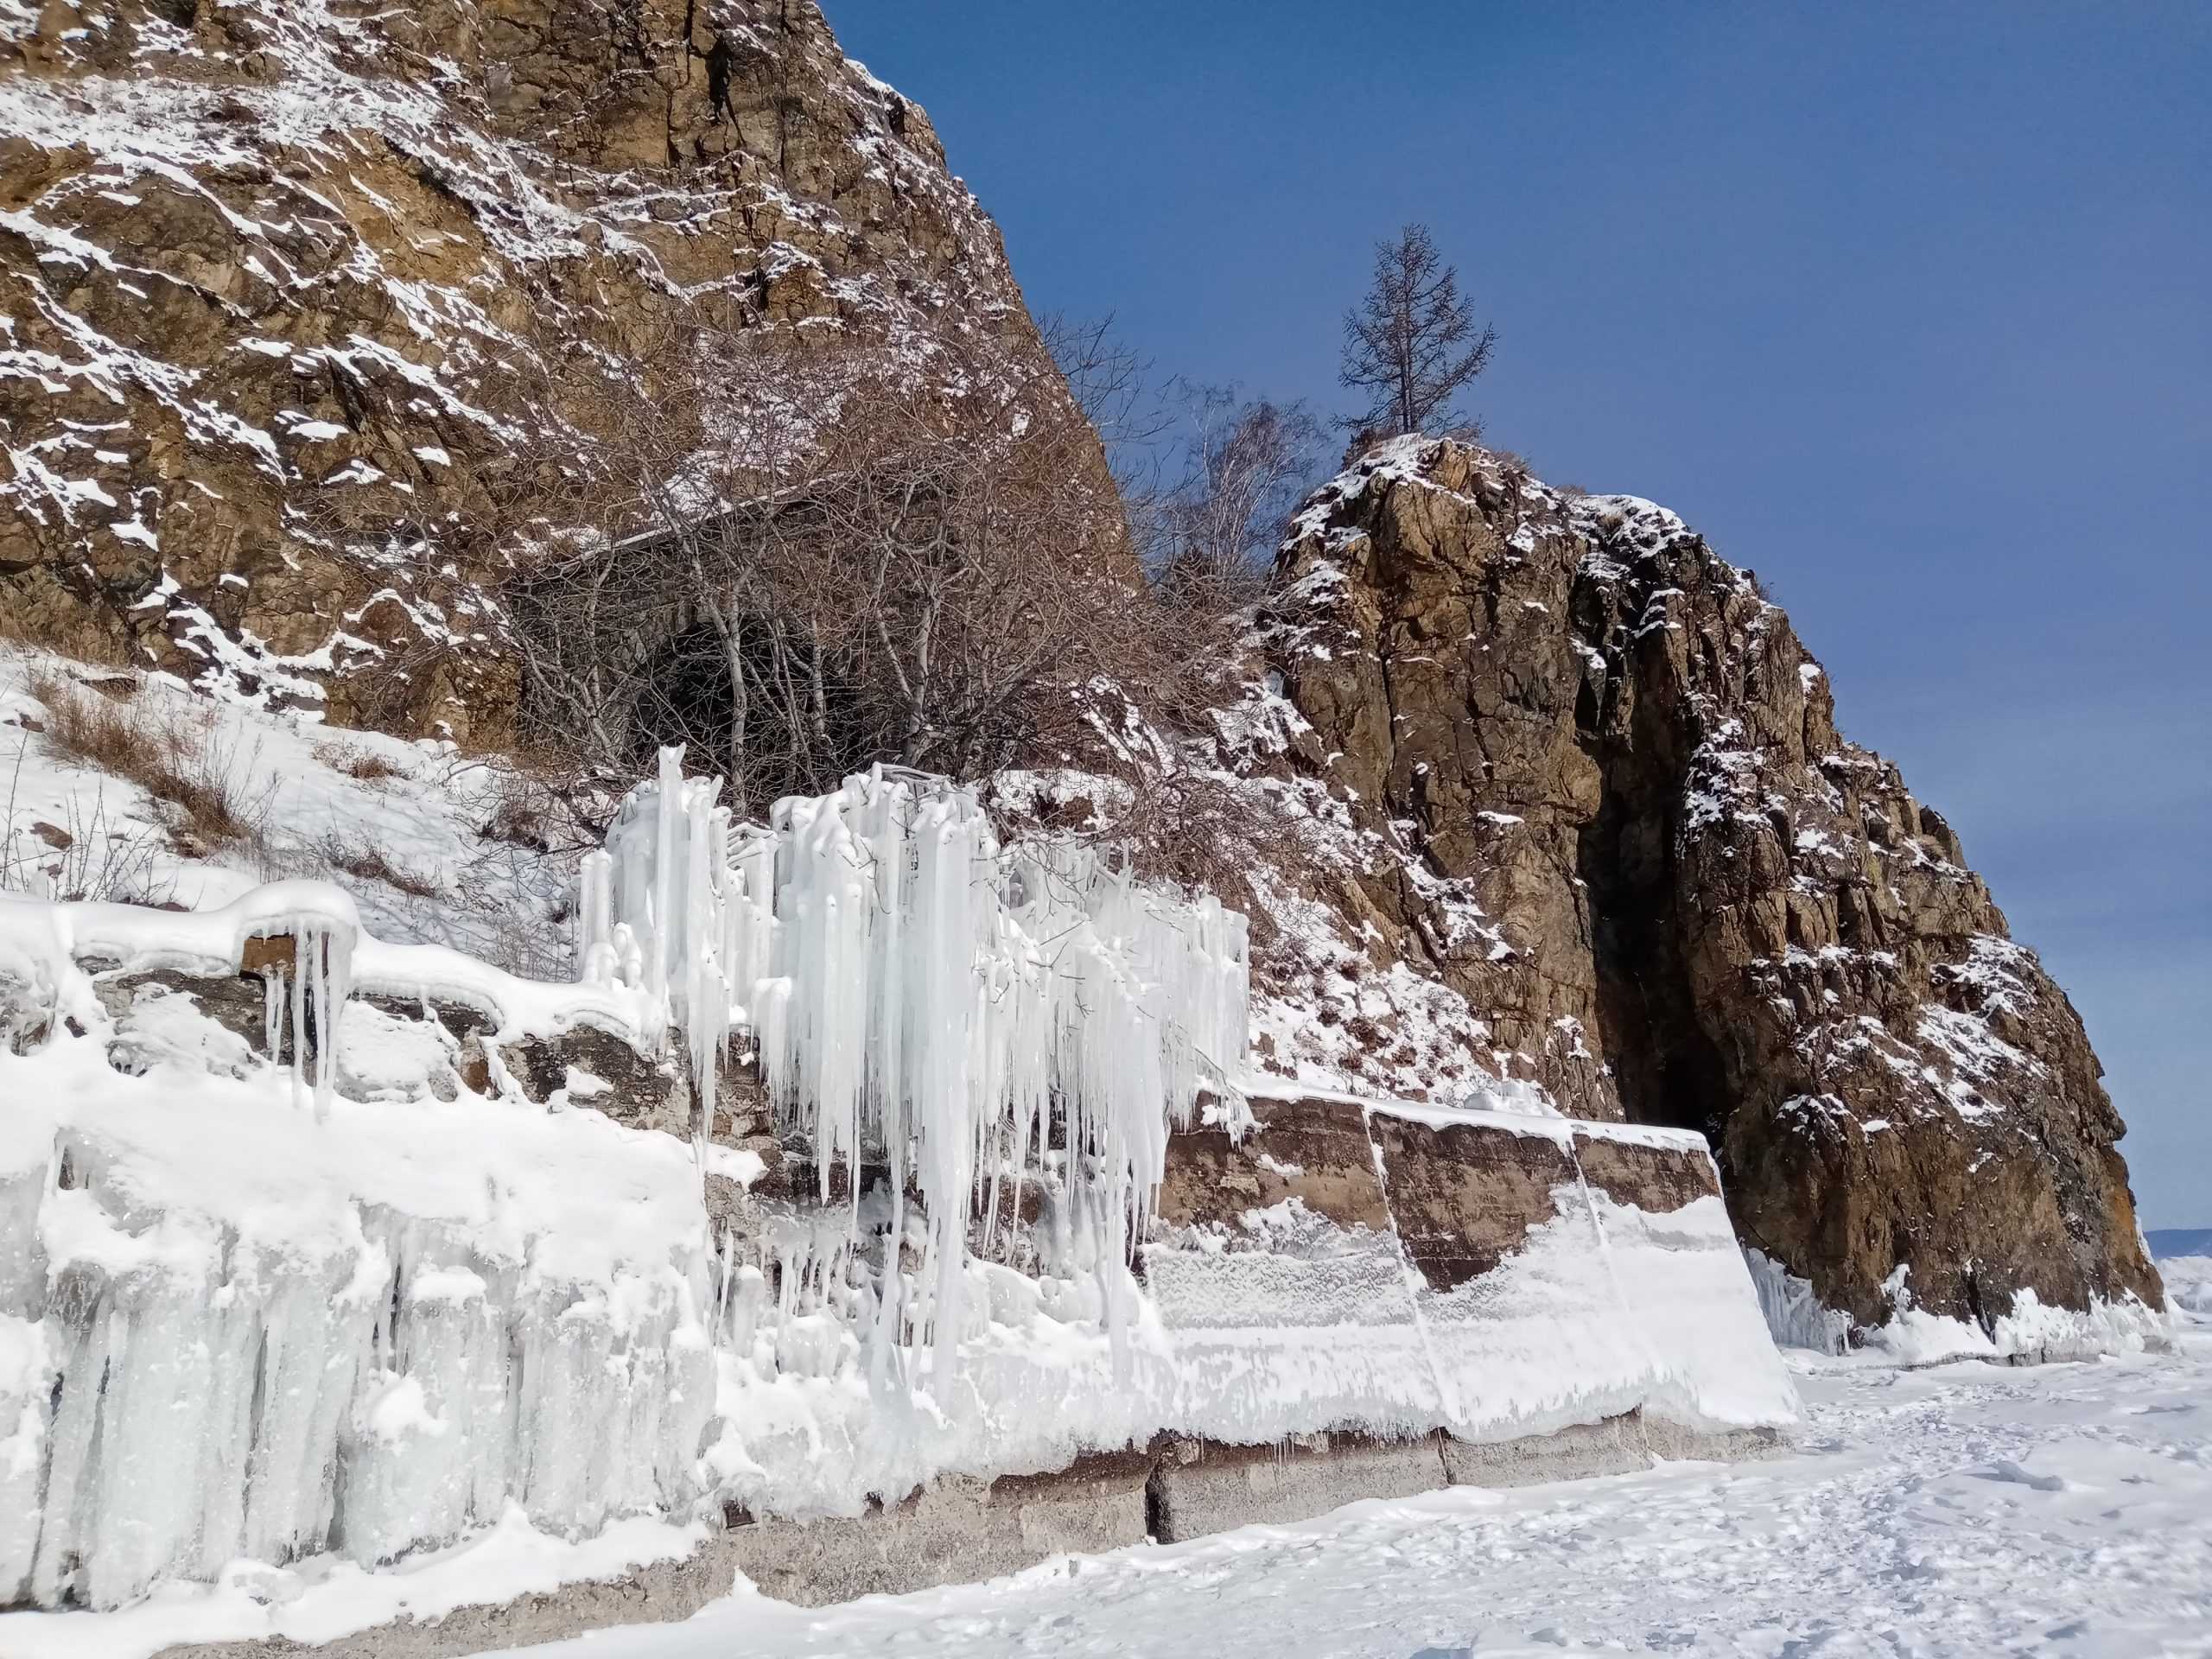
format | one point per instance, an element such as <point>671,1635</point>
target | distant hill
<point>2169,1242</point>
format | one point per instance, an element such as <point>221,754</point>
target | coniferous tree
<point>1412,344</point>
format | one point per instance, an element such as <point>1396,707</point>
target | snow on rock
<point>2030,1331</point>
<point>1583,822</point>
<point>410,830</point>
<point>323,254</point>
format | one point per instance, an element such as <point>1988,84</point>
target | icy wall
<point>264,1295</point>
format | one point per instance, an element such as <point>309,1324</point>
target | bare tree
<point>1411,345</point>
<point>1247,464</point>
<point>1110,382</point>
<point>803,556</point>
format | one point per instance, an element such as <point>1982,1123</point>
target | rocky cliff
<point>274,275</point>
<point>277,282</point>
<point>1603,800</point>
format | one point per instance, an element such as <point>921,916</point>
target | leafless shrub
<point>1112,386</point>
<point>92,856</point>
<point>800,558</point>
<point>1246,462</point>
<point>542,803</point>
<point>1177,814</point>
<point>365,767</point>
<point>367,861</point>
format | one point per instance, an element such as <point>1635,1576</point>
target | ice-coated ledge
<point>1548,1125</point>
<point>2032,1332</point>
<point>43,945</point>
<point>996,1243</point>
<point>262,1333</point>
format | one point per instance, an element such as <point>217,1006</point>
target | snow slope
<point>409,818</point>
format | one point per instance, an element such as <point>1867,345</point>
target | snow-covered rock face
<point>274,279</point>
<point>1595,797</point>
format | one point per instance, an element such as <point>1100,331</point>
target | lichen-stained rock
<point>1604,803</point>
<point>1658,1178</point>
<point>1276,1270</point>
<point>1314,1151</point>
<point>276,278</point>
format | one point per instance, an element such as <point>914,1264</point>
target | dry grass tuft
<point>367,862</point>
<point>367,768</point>
<point>526,810</point>
<point>167,754</point>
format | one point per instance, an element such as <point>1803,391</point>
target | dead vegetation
<point>367,861</point>
<point>840,555</point>
<point>363,766</point>
<point>172,753</point>
<point>91,856</point>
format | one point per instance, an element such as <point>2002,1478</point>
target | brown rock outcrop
<point>272,275</point>
<point>1607,803</point>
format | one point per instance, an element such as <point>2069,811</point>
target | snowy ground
<point>1967,1509</point>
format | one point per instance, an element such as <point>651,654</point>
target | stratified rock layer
<point>277,282</point>
<point>1627,832</point>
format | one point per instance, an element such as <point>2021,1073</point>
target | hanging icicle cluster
<point>921,999</point>
<point>663,910</point>
<point>312,992</point>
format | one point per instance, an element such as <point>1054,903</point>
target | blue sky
<point>1910,309</point>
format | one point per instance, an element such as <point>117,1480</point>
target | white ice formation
<point>234,1327</point>
<point>231,1326</point>
<point>926,1002</point>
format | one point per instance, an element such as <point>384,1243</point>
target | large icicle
<point>926,1003</point>
<point>929,1004</point>
<point>661,910</point>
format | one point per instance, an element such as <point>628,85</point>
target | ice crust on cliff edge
<point>259,1329</point>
